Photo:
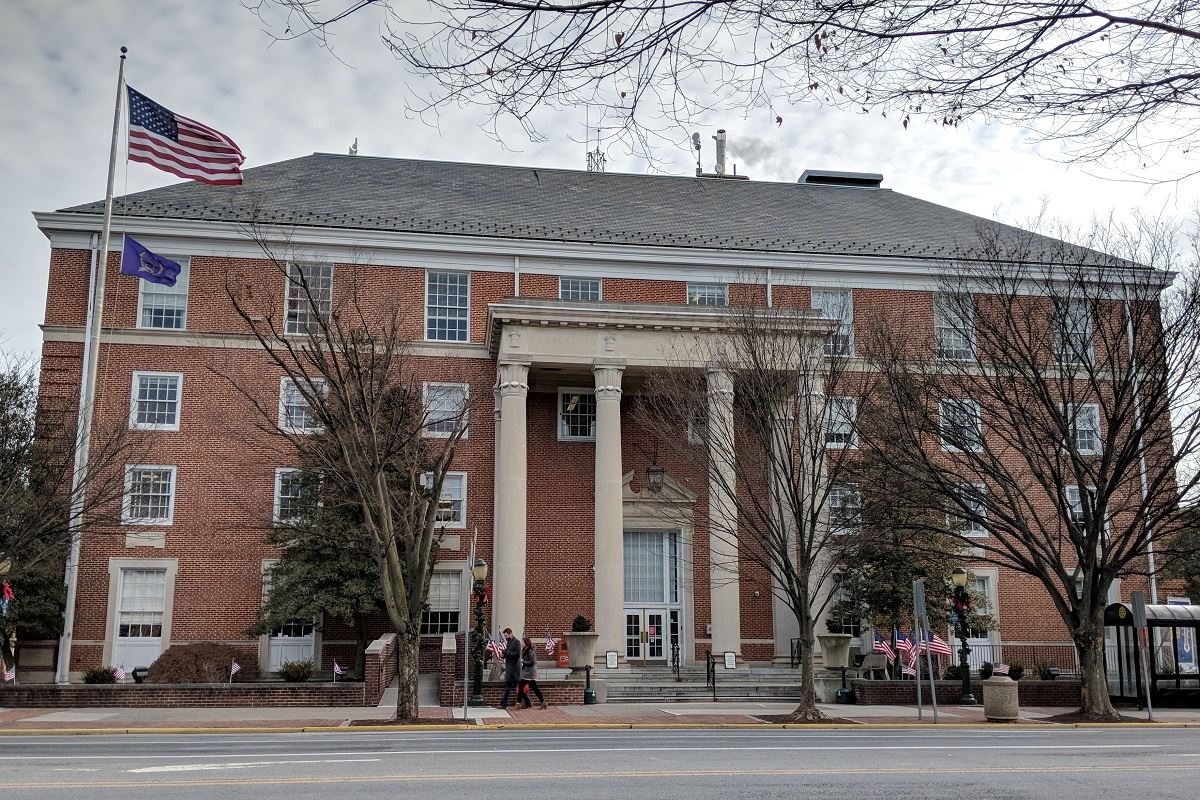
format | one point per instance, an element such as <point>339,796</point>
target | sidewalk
<point>28,720</point>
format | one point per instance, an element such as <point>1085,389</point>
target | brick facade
<point>904,693</point>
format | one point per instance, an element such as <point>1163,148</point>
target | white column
<point>785,427</point>
<point>610,522</point>
<point>724,583</point>
<point>508,548</point>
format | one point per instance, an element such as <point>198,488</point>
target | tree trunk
<point>407,672</point>
<point>1093,684</point>
<point>807,710</point>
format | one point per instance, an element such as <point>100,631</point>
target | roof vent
<point>826,177</point>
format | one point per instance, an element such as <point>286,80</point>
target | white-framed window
<point>586,289</point>
<point>980,587</point>
<point>845,508</point>
<point>165,307</point>
<point>445,409</point>
<point>1084,426</point>
<point>155,401</point>
<point>447,306</point>
<point>1072,320</point>
<point>309,296</point>
<point>149,495</point>
<point>444,606</point>
<point>697,426</point>
<point>972,496</point>
<point>954,326</point>
<point>452,505</point>
<point>289,489</point>
<point>842,624</point>
<point>707,294</point>
<point>1075,506</point>
<point>576,415</point>
<point>960,424</point>
<point>295,414</point>
<point>142,603</point>
<point>837,304</point>
<point>841,422</point>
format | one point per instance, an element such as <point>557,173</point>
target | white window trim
<point>279,473</point>
<point>949,326</point>
<point>1072,412</point>
<point>466,415</point>
<point>1061,355</point>
<point>854,490</point>
<point>425,300</point>
<point>287,285</point>
<point>693,434</point>
<point>281,421</point>
<point>464,588</point>
<point>949,448</point>
<point>715,284</point>
<point>170,518</point>
<point>451,526</point>
<point>562,278</point>
<point>1079,496</point>
<point>558,427</point>
<point>115,568</point>
<point>954,521</point>
<point>849,292</point>
<point>186,270</point>
<point>829,411</point>
<point>133,400</point>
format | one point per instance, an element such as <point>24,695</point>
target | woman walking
<point>529,674</point>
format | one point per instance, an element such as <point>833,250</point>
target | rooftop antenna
<point>596,159</point>
<point>354,147</point>
<point>696,145</point>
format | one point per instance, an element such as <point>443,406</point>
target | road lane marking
<point>245,764</point>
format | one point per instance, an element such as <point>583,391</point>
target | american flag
<point>234,668</point>
<point>883,646</point>
<point>494,648</point>
<point>936,645</point>
<point>10,673</point>
<point>551,644</point>
<point>181,146</point>
<point>904,646</point>
<point>119,672</point>
<point>338,670</point>
<point>1000,669</point>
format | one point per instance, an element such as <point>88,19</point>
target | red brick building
<point>537,297</point>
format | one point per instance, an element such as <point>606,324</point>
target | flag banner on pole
<point>138,261</point>
<point>338,670</point>
<point>181,146</point>
<point>10,673</point>
<point>883,646</point>
<point>234,669</point>
<point>494,648</point>
<point>119,672</point>
<point>936,645</point>
<point>1000,669</point>
<point>551,644</point>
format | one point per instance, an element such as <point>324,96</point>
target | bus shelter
<point>1174,667</point>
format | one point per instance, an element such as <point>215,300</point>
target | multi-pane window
<point>289,492</point>
<point>1084,426</point>
<point>309,295</point>
<point>1075,506</point>
<point>845,508</point>
<point>1072,331</point>
<point>295,413</point>
<point>697,426</point>
<point>968,517</point>
<point>954,326</point>
<point>576,414</point>
<point>452,504</point>
<point>841,416</point>
<point>143,599</point>
<point>447,306</point>
<point>978,587</point>
<point>579,289</point>
<point>296,627</point>
<point>960,424</point>
<point>156,401</point>
<point>444,604</point>
<point>149,495</point>
<point>707,294</point>
<point>837,304</point>
<point>445,408</point>
<point>165,306</point>
<point>840,623</point>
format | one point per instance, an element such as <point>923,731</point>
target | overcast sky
<point>210,61</point>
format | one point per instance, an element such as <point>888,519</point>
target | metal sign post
<point>1138,601</point>
<point>921,613</point>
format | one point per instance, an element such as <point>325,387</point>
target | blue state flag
<point>136,260</point>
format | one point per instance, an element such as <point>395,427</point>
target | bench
<point>873,663</point>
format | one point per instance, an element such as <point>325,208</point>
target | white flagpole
<point>87,393</point>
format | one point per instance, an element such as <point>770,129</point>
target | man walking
<point>512,665</point>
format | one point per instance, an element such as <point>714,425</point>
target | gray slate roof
<point>393,194</point>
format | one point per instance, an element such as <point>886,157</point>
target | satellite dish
<point>696,141</point>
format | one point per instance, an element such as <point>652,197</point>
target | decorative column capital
<point>608,380</point>
<point>512,380</point>
<point>720,382</point>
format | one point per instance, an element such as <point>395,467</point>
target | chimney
<point>720,140</point>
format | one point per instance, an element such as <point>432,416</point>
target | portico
<point>614,343</point>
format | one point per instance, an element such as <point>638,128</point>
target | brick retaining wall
<point>904,693</point>
<point>192,695</point>
<point>379,667</point>
<point>450,683</point>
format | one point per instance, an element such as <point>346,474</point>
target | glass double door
<point>652,601</point>
<point>645,634</point>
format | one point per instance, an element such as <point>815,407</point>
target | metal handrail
<point>710,675</point>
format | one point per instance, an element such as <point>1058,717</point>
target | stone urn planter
<point>1000,699</point>
<point>835,647</point>
<point>581,648</point>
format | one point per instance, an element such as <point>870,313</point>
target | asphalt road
<point>1121,762</point>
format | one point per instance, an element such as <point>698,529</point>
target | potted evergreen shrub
<point>581,643</point>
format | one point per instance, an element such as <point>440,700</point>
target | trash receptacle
<point>1000,702</point>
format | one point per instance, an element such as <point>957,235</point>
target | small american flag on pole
<point>119,672</point>
<point>494,648</point>
<point>181,146</point>
<point>1000,669</point>
<point>337,670</point>
<point>10,673</point>
<point>884,646</point>
<point>234,669</point>
<point>551,644</point>
<point>936,645</point>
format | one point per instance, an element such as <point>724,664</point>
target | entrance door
<point>646,635</point>
<point>292,641</point>
<point>142,599</point>
<point>652,596</point>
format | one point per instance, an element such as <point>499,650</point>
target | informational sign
<point>1138,601</point>
<point>1185,646</point>
<point>919,602</point>
<point>730,659</point>
<point>610,659</point>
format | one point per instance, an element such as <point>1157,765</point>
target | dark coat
<point>512,661</point>
<point>529,664</point>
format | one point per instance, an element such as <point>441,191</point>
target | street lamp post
<point>479,571</point>
<point>960,599</point>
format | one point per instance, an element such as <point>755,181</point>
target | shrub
<point>99,675</point>
<point>986,670</point>
<point>952,673</point>
<point>1045,671</point>
<point>296,671</point>
<point>581,624</point>
<point>202,662</point>
<point>1016,671</point>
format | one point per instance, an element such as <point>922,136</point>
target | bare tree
<point>1052,407</point>
<point>346,356</point>
<point>1108,82</point>
<point>777,498</point>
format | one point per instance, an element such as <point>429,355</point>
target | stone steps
<point>692,692</point>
